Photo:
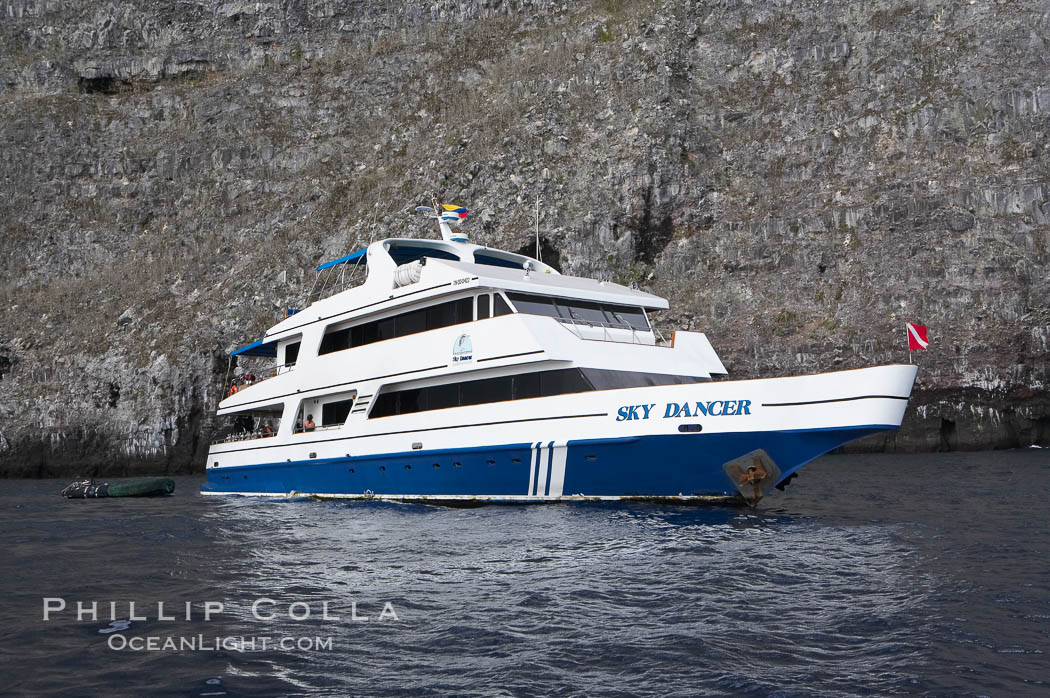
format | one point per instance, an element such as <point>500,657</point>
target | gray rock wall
<point>787,173</point>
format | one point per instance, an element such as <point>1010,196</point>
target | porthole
<point>382,468</point>
<point>690,428</point>
<point>408,467</point>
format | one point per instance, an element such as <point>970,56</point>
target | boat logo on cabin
<point>463,349</point>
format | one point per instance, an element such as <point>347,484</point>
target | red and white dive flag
<point>917,336</point>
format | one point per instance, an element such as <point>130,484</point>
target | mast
<point>446,216</point>
<point>538,259</point>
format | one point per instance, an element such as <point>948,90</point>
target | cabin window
<point>463,310</point>
<point>441,396</point>
<point>604,379</point>
<point>412,322</point>
<point>385,405</point>
<point>480,392</point>
<point>326,412</point>
<point>335,413</point>
<point>364,334</point>
<point>483,306</point>
<point>516,387</point>
<point>440,316</point>
<point>500,306</point>
<point>526,385</point>
<point>561,382</point>
<point>483,391</point>
<point>291,353</point>
<point>386,328</point>
<point>412,400</point>
<point>335,340</point>
<point>451,313</point>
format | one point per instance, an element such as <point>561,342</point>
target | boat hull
<point>726,439</point>
<point>664,466</point>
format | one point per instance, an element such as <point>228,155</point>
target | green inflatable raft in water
<point>145,487</point>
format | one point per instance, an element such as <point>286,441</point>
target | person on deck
<point>309,424</point>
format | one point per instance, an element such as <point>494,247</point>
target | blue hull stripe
<point>537,453</point>
<point>550,468</point>
<point>648,466</point>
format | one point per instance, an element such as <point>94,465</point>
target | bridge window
<point>582,312</point>
<point>626,316</point>
<point>534,305</point>
<point>586,313</point>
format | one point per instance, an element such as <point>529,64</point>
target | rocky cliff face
<point>786,172</point>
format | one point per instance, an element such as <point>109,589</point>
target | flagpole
<point>907,337</point>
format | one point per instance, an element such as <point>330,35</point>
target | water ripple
<point>825,590</point>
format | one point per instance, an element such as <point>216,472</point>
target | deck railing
<point>326,427</point>
<point>244,436</point>
<point>577,328</point>
<point>335,280</point>
<point>263,374</point>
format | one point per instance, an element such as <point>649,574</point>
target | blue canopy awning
<point>359,257</point>
<point>259,348</point>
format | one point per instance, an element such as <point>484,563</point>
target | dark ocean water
<point>871,575</point>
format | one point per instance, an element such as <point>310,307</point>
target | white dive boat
<point>457,372</point>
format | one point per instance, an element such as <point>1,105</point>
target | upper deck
<point>422,299</point>
<point>401,271</point>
